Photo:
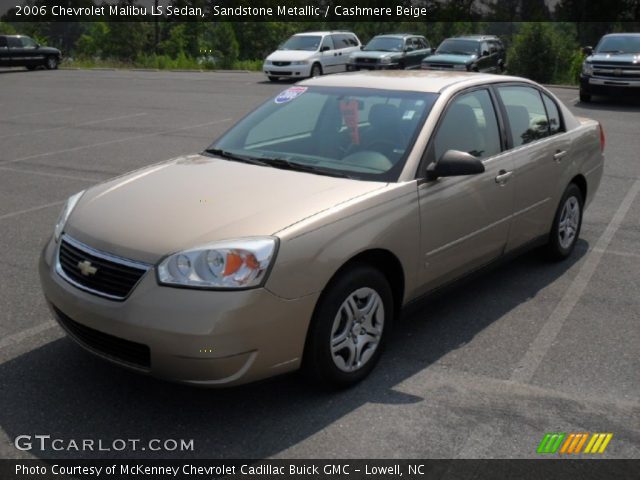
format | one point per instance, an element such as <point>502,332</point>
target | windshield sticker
<point>349,110</point>
<point>289,94</point>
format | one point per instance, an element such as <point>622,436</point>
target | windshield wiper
<point>232,156</point>
<point>299,167</point>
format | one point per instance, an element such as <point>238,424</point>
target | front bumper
<point>202,337</point>
<point>609,86</point>
<point>295,71</point>
<point>352,67</point>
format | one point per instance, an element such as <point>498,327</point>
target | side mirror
<point>325,48</point>
<point>485,53</point>
<point>408,49</point>
<point>454,163</point>
<point>361,47</point>
<point>587,50</point>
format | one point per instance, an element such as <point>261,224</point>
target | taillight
<point>602,139</point>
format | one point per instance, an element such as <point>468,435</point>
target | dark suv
<point>473,53</point>
<point>22,51</point>
<point>398,50</point>
<point>612,67</point>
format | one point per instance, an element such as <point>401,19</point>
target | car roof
<point>475,37</point>
<point>398,35</point>
<point>623,34</point>
<point>428,81</point>
<point>324,32</point>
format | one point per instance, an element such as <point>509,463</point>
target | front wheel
<point>316,70</point>
<point>585,97</point>
<point>349,328</point>
<point>566,224</point>
<point>51,63</point>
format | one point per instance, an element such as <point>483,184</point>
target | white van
<point>311,54</point>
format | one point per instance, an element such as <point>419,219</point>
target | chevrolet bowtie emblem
<point>86,268</point>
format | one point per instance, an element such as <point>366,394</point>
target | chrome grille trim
<point>107,257</point>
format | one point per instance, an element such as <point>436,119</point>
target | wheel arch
<point>581,183</point>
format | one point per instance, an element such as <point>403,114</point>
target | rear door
<point>344,45</point>
<point>16,52</point>
<point>539,149</point>
<point>4,52</point>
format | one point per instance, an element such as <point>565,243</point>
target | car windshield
<point>458,47</point>
<point>309,43</point>
<point>385,44</point>
<point>619,44</point>
<point>358,133</point>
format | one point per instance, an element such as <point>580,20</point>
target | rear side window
<point>526,114</point>
<point>469,125</point>
<point>555,123</point>
<point>3,42</point>
<point>14,42</point>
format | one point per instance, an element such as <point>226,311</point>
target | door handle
<point>503,177</point>
<point>559,155</point>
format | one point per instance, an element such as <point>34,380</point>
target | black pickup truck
<point>613,67</point>
<point>22,51</point>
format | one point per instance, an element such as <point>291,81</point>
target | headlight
<point>65,213</point>
<point>302,62</point>
<point>587,68</point>
<point>385,60</point>
<point>462,67</point>
<point>267,62</point>
<point>241,263</point>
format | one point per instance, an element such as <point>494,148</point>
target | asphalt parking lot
<point>483,371</point>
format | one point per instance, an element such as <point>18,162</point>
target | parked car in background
<point>311,54</point>
<point>23,51</point>
<point>613,67</point>
<point>391,51</point>
<point>472,53</point>
<point>361,194</point>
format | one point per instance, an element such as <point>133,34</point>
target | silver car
<point>296,238</point>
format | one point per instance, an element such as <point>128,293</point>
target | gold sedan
<point>296,238</point>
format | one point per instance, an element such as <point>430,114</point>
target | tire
<point>342,347</point>
<point>585,97</point>
<point>51,63</point>
<point>273,79</point>
<point>31,67</point>
<point>567,222</point>
<point>316,70</point>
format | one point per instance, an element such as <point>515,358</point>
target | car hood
<point>449,58</point>
<point>625,58</point>
<point>290,55</point>
<point>197,199</point>
<point>377,54</point>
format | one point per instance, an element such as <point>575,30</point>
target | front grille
<point>439,66</point>
<point>118,349</point>
<point>366,60</point>
<point>97,272</point>
<point>616,71</point>
<point>282,64</point>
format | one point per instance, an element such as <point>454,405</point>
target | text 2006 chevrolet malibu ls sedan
<point>297,237</point>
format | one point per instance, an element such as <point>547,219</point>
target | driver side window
<point>327,42</point>
<point>469,125</point>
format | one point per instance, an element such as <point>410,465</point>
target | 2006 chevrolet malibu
<point>296,238</point>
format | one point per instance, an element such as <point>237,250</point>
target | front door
<point>465,220</point>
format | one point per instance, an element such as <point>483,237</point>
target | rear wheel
<point>349,328</point>
<point>316,70</point>
<point>566,224</point>
<point>51,63</point>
